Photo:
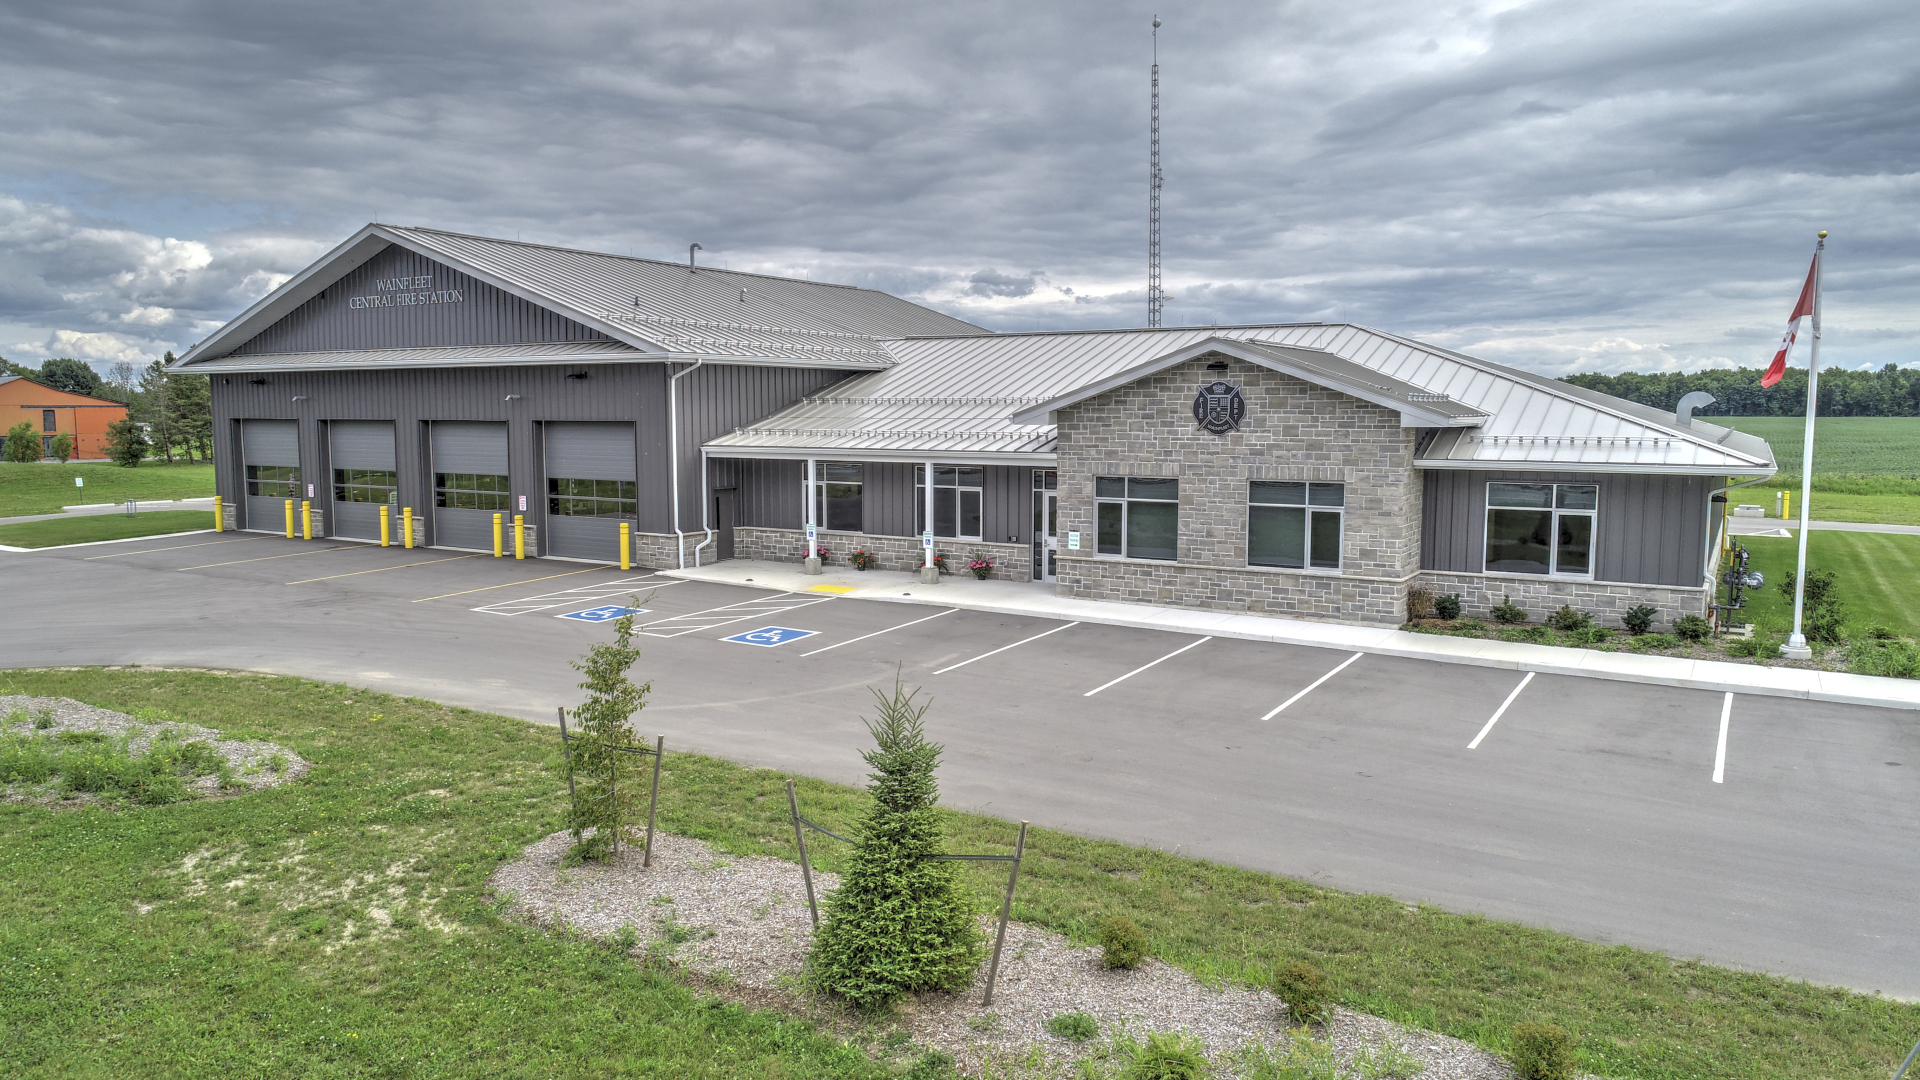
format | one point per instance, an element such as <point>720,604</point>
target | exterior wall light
<point>513,397</point>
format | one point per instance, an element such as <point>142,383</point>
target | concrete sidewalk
<point>1776,527</point>
<point>1025,598</point>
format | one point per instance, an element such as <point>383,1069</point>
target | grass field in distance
<point>87,528</point>
<point>1879,578</point>
<point>45,487</point>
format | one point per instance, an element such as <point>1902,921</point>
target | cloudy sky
<point>1566,186</point>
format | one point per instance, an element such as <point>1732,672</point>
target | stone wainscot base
<point>1011,562</point>
<point>1539,597</point>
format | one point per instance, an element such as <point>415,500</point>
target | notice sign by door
<point>1073,541</point>
<point>523,504</point>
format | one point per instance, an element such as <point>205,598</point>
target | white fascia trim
<point>1588,467</point>
<point>1410,415</point>
<point>393,365</point>
<point>911,457</point>
<point>293,292</point>
<point>777,361</point>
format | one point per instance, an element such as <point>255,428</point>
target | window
<point>1541,528</point>
<point>47,421</point>
<point>1294,524</point>
<point>1138,517</point>
<point>274,481</point>
<point>365,486</point>
<point>837,496</point>
<point>470,491</point>
<point>590,498</point>
<point>956,500</point>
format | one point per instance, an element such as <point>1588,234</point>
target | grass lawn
<point>85,528</point>
<point>235,937</point>
<point>1879,578</point>
<point>46,487</point>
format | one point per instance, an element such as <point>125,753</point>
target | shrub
<point>1507,612</point>
<point>1448,606</point>
<point>1639,618</point>
<point>1419,604</point>
<point>600,757</point>
<point>1649,642</point>
<point>1122,944</point>
<point>1531,635</point>
<point>900,922</point>
<point>1756,646</point>
<point>1589,635</point>
<point>1542,1052</point>
<point>1899,659</point>
<point>1822,612</point>
<point>1567,619</point>
<point>1305,1058</point>
<point>127,443</point>
<point>23,444</point>
<point>1167,1055</point>
<point>63,446</point>
<point>1881,633</point>
<point>932,1065</point>
<point>1076,1026</point>
<point>1692,628</point>
<point>1307,994</point>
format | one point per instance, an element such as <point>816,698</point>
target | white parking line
<point>1720,753</point>
<point>877,633</point>
<point>584,595</point>
<point>1004,648</point>
<point>1311,687</point>
<point>1144,667</point>
<point>712,618</point>
<point>1501,711</point>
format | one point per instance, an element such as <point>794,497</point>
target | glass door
<point>1046,525</point>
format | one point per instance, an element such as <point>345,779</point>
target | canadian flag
<point>1778,369</point>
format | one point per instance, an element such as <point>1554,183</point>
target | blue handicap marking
<point>769,636</point>
<point>602,614</point>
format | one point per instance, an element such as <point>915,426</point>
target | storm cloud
<point>1563,186</point>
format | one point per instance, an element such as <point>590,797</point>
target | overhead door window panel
<point>270,458</point>
<point>364,476</point>
<point>470,482</point>
<point>591,488</point>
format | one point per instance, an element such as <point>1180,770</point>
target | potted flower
<point>817,553</point>
<point>981,566</point>
<point>863,559</point>
<point>940,563</point>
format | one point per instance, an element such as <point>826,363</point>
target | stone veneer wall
<point>1011,562</point>
<point>1293,430</point>
<point>1606,601</point>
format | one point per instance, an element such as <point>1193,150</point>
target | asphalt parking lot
<point>1763,832</point>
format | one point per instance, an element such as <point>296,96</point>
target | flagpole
<point>1796,647</point>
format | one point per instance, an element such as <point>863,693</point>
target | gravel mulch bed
<point>741,923</point>
<point>250,761</point>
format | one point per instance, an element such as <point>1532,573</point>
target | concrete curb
<point>1013,598</point>
<point>122,540</point>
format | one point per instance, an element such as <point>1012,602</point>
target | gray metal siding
<point>768,492</point>
<point>1650,530</point>
<point>1007,513</point>
<point>718,398</point>
<point>887,499</point>
<point>362,444</point>
<point>483,316</point>
<point>590,451</point>
<point>469,446</point>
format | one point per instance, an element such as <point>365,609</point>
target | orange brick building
<point>53,411</point>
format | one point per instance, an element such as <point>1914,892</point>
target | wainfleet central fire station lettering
<point>406,292</point>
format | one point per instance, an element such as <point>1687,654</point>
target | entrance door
<point>364,479</point>
<point>723,524</point>
<point>1046,525</point>
<point>270,452</point>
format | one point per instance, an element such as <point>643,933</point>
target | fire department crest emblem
<point>1219,408</point>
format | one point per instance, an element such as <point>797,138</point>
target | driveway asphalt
<point>1607,810</point>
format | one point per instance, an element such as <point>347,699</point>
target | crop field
<point>1859,455</point>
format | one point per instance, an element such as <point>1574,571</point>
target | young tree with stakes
<point>601,753</point>
<point>899,922</point>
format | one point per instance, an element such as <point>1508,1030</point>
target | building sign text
<point>406,292</point>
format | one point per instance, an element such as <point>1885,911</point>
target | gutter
<point>1712,537</point>
<point>673,454</point>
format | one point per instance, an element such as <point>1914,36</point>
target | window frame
<point>1310,512</point>
<point>819,497</point>
<point>479,495</point>
<point>50,420</point>
<point>958,502</point>
<point>1555,513</point>
<point>593,498</point>
<point>1122,509</point>
<point>346,481</point>
<point>291,478</point>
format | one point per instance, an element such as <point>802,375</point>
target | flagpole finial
<point>1823,234</point>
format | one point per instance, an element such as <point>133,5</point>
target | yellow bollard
<point>626,533</point>
<point>306,520</point>
<point>498,548</point>
<point>519,537</point>
<point>218,520</point>
<point>386,526</point>
<point>406,527</point>
<point>289,519</point>
<point>1786,504</point>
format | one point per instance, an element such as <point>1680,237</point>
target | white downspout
<point>673,452</point>
<point>1706,563</point>
<point>706,505</point>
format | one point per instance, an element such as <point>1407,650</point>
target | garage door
<point>469,483</point>
<point>590,488</point>
<point>270,453</point>
<point>364,477</point>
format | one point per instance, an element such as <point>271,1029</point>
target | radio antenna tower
<point>1156,298</point>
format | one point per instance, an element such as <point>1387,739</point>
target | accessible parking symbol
<point>769,636</point>
<point>602,614</point>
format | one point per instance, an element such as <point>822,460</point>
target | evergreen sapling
<point>900,922</point>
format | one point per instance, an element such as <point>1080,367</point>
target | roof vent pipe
<point>1683,412</point>
<point>691,248</point>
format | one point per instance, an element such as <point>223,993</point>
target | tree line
<point>1890,391</point>
<point>171,413</point>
